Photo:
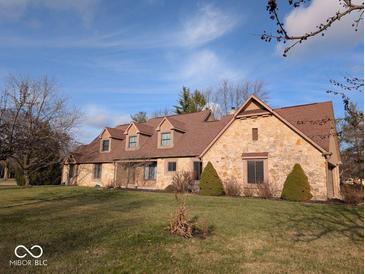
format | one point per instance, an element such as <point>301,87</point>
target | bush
<point>170,189</point>
<point>352,193</point>
<point>232,188</point>
<point>183,181</point>
<point>210,183</point>
<point>296,186</point>
<point>264,191</point>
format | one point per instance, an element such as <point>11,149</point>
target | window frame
<point>174,164</point>
<point>97,174</point>
<point>169,139</point>
<point>135,143</point>
<point>102,145</point>
<point>255,175</point>
<point>147,171</point>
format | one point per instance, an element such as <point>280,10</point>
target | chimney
<point>233,110</point>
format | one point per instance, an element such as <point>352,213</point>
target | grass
<point>85,230</point>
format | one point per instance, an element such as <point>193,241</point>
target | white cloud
<point>15,9</point>
<point>208,24</point>
<point>94,119</point>
<point>305,19</point>
<point>99,117</point>
<point>204,67</point>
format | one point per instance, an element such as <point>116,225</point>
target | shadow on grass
<point>313,223</point>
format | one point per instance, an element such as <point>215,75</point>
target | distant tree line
<point>221,100</point>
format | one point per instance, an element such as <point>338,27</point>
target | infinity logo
<point>28,251</point>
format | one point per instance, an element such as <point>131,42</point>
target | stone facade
<point>284,147</point>
<point>128,175</point>
<point>85,175</point>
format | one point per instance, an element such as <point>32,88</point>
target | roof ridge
<point>302,105</point>
<point>182,114</point>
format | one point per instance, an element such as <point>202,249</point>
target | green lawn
<point>85,230</point>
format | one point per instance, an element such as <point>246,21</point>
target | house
<point>254,145</point>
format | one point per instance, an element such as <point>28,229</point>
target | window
<point>105,145</point>
<point>255,134</point>
<point>71,171</point>
<point>255,171</point>
<point>150,171</point>
<point>132,142</point>
<point>165,139</point>
<point>197,170</point>
<point>97,171</point>
<point>171,166</point>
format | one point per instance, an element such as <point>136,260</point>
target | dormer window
<point>105,145</point>
<point>132,141</point>
<point>165,139</point>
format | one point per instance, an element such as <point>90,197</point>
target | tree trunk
<point>6,170</point>
<point>26,177</point>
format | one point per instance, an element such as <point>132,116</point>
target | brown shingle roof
<point>314,120</point>
<point>198,133</point>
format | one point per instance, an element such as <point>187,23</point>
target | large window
<point>171,166</point>
<point>105,145</point>
<point>132,141</point>
<point>197,170</point>
<point>97,171</point>
<point>255,171</point>
<point>165,139</point>
<point>71,171</point>
<point>150,171</point>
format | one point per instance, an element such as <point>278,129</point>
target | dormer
<point>169,131</point>
<point>106,137</point>
<point>136,135</point>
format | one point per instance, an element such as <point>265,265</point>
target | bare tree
<point>38,124</point>
<point>162,112</point>
<point>230,95</point>
<point>282,34</point>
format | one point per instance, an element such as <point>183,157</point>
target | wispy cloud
<point>207,24</point>
<point>204,67</point>
<point>15,9</point>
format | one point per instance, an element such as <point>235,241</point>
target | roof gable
<point>258,107</point>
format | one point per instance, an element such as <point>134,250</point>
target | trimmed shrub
<point>296,186</point>
<point>210,183</point>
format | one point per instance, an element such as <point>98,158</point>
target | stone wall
<point>284,146</point>
<point>85,175</point>
<point>164,177</point>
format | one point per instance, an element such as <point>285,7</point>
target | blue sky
<point>113,58</point>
